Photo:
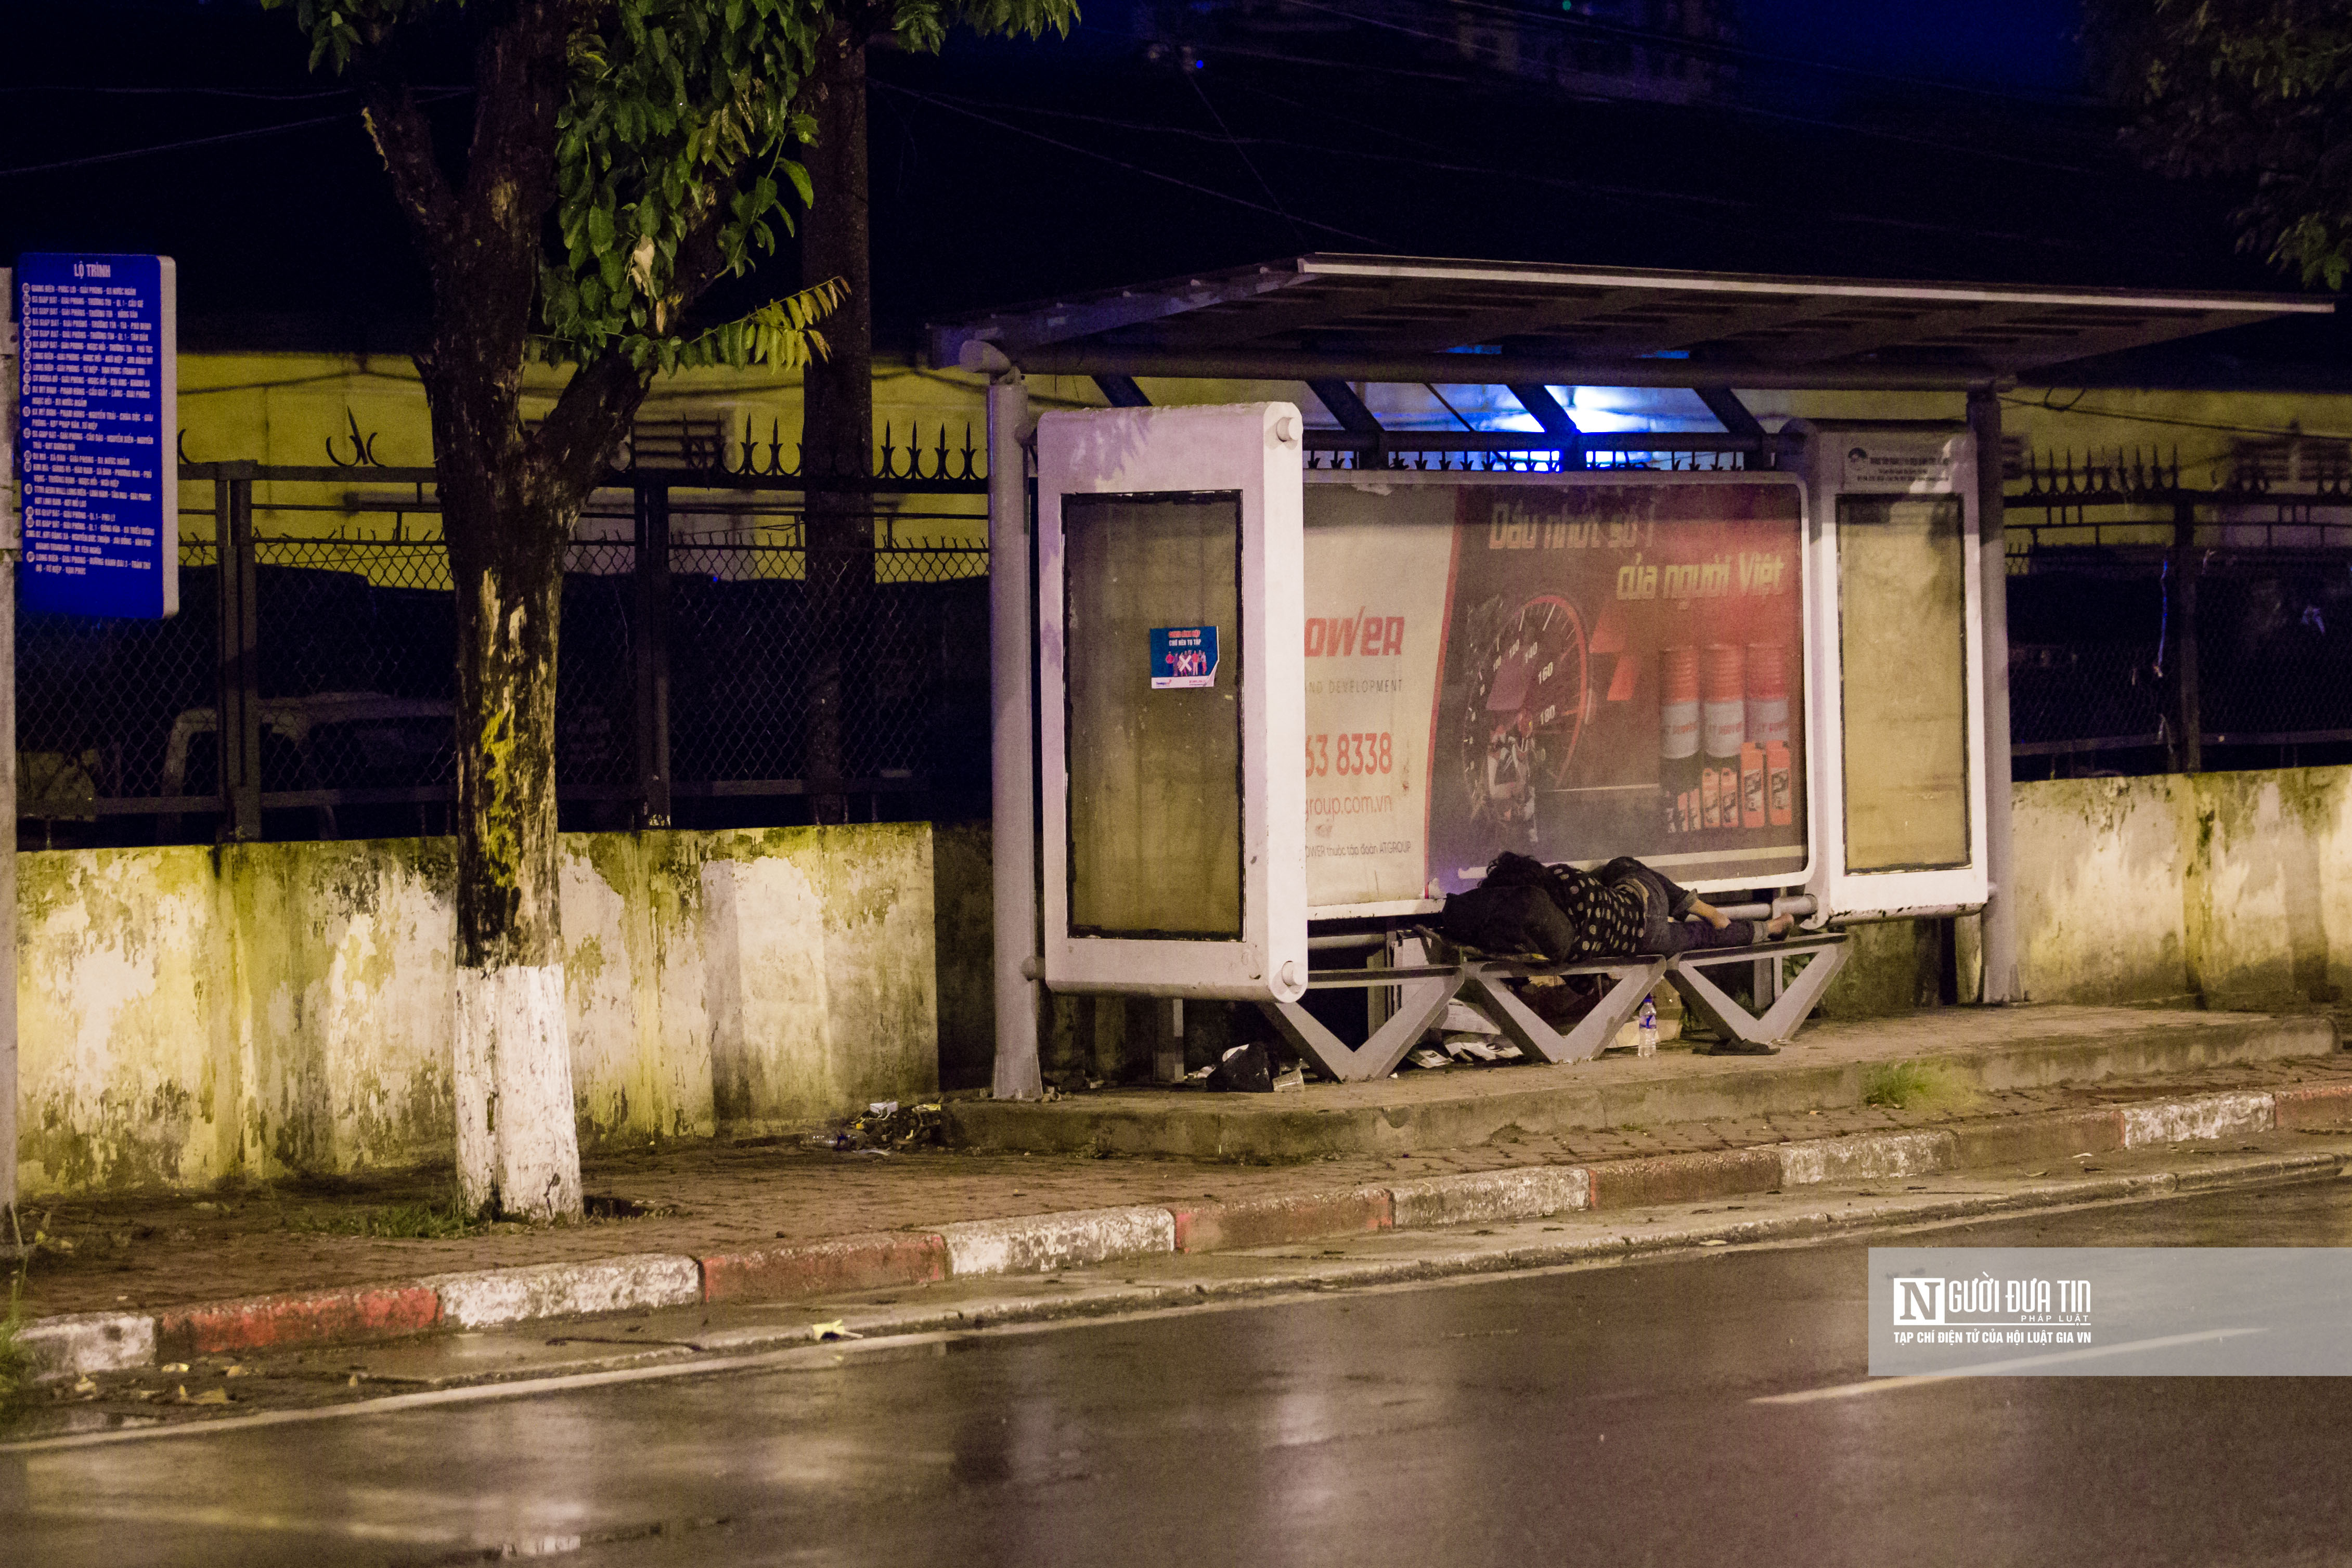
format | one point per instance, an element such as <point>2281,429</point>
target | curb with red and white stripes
<point>77,1344</point>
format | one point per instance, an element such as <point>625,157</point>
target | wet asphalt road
<point>1599,1416</point>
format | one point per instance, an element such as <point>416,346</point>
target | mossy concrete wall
<point>193,1015</point>
<point>2104,872</point>
<point>190,1015</point>
<point>2267,908</point>
<point>2219,889</point>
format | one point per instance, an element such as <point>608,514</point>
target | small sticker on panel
<point>1183,657</point>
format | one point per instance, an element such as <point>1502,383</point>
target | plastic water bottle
<point>1648,1038</point>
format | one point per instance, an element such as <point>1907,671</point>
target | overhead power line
<point>1748,208</point>
<point>178,91</point>
<point>937,102</point>
<point>2043,405</point>
<point>1242,153</point>
<point>160,147</point>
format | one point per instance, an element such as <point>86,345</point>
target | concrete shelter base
<point>1950,1051</point>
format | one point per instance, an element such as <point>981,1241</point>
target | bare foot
<point>1779,925</point>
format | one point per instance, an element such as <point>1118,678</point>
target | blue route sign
<point>98,422</point>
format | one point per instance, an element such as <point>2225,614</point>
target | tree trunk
<point>837,417</point>
<point>518,1148</point>
<point>508,503</point>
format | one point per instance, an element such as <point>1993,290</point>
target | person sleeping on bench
<point>1572,916</point>
<point>1675,920</point>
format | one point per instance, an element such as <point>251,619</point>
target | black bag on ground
<point>1563,1006</point>
<point>1245,1069</point>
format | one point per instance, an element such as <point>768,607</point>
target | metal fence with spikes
<point>2164,619</point>
<point>909,467</point>
<point>714,670</point>
<point>705,451</point>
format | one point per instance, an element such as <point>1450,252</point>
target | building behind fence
<point>305,689</point>
<point>2158,624</point>
<point>714,674</point>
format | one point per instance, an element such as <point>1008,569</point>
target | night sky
<point>1831,136</point>
<point>2021,46</point>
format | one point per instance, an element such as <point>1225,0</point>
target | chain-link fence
<point>745,678</point>
<point>2275,647</point>
<point>2086,658</point>
<point>101,704</point>
<point>703,679</point>
<point>2157,628</point>
<point>906,628</point>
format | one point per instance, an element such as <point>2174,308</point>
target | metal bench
<point>1424,990</point>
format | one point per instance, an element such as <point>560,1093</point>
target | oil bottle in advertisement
<point>1768,727</point>
<point>1723,730</point>
<point>1751,786</point>
<point>1768,693</point>
<point>1678,725</point>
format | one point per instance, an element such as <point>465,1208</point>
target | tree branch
<point>571,449</point>
<point>404,137</point>
<point>519,81</point>
<point>700,260</point>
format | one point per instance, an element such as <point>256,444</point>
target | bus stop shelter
<point>1332,321</point>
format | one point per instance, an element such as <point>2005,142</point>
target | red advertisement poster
<point>1617,669</point>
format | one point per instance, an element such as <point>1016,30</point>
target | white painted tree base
<point>517,1147</point>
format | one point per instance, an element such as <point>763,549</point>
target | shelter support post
<point>1351,412</point>
<point>2000,940</point>
<point>1168,1040</point>
<point>1012,637</point>
<point>1345,406</point>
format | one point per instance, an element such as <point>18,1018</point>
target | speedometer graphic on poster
<point>1525,713</point>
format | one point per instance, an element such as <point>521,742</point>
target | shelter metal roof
<point>1414,318</point>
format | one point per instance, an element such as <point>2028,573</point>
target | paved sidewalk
<point>1828,1067</point>
<point>147,1251</point>
<point>178,1396</point>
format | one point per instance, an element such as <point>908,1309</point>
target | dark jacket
<point>1555,912</point>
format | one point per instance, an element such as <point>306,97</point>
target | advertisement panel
<point>1574,667</point>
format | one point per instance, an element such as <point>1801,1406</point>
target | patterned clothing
<point>1607,917</point>
<point>1622,909</point>
<point>1667,928</point>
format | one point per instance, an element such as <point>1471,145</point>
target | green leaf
<point>677,128</point>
